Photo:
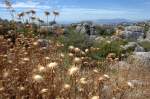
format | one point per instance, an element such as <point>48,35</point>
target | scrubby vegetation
<point>57,62</point>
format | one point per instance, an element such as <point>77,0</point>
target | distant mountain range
<point>112,21</point>
<point>102,21</point>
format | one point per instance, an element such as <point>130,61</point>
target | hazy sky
<point>76,10</point>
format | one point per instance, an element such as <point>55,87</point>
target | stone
<point>139,49</point>
<point>132,33</point>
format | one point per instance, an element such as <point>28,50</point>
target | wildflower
<point>52,65</point>
<point>95,97</point>
<point>38,78</point>
<point>73,71</point>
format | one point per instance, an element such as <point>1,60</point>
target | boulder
<point>148,35</point>
<point>130,45</point>
<point>132,33</point>
<point>86,28</point>
<point>139,48</point>
<point>142,57</point>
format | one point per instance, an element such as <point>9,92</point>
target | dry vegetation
<point>31,68</point>
<point>30,71</point>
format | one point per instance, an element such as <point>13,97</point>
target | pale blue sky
<point>76,10</point>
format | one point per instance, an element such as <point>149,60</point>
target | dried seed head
<point>95,97</point>
<point>52,65</point>
<point>95,71</point>
<point>66,86</point>
<point>47,58</point>
<point>38,78</point>
<point>6,74</point>
<point>100,79</point>
<point>86,50</point>
<point>2,89</point>
<point>70,55</point>
<point>21,88</point>
<point>26,59</point>
<point>77,60</point>
<point>77,50</point>
<point>44,91</point>
<point>83,81</point>
<point>73,71</point>
<point>106,76</point>
<point>130,84</point>
<point>41,69</point>
<point>35,43</point>
<point>62,55</point>
<point>71,48</point>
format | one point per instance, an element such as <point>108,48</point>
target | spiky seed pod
<point>44,91</point>
<point>106,76</point>
<point>38,78</point>
<point>5,74</point>
<point>21,88</point>
<point>42,69</point>
<point>66,87</point>
<point>70,55</point>
<point>47,58</point>
<point>130,85</point>
<point>86,50</point>
<point>62,55</point>
<point>26,59</point>
<point>77,50</point>
<point>35,43</point>
<point>77,60</point>
<point>83,81</point>
<point>71,48</point>
<point>73,71</point>
<point>52,65</point>
<point>95,71</point>
<point>95,97</point>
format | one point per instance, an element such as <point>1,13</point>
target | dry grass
<point>30,71</point>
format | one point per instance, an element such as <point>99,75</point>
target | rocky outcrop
<point>86,28</point>
<point>142,57</point>
<point>133,33</point>
<point>148,35</point>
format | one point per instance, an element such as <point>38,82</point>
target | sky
<point>79,10</point>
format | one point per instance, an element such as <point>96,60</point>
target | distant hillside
<point>112,21</point>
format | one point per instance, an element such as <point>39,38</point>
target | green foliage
<point>106,48</point>
<point>145,45</point>
<point>103,31</point>
<point>76,39</point>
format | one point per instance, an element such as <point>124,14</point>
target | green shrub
<point>76,39</point>
<point>145,45</point>
<point>106,48</point>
